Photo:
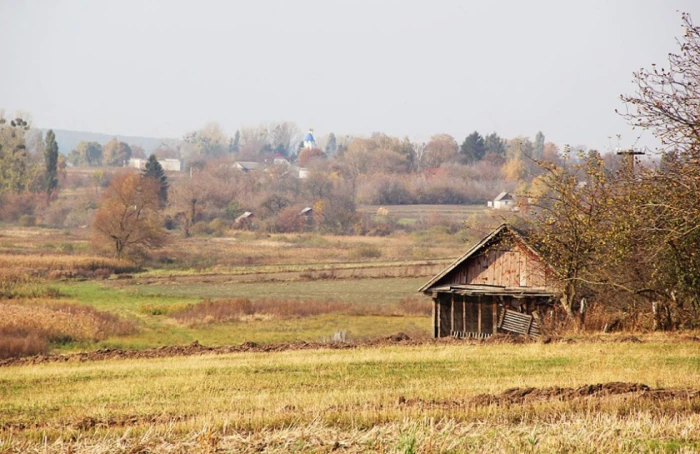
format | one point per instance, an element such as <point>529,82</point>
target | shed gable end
<point>501,263</point>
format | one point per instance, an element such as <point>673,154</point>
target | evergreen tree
<point>539,145</point>
<point>155,170</point>
<point>494,144</point>
<point>332,145</point>
<point>51,161</point>
<point>234,145</point>
<point>473,148</point>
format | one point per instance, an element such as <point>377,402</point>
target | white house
<point>504,201</point>
<point>168,164</point>
<point>280,160</point>
<point>138,163</point>
<point>171,165</point>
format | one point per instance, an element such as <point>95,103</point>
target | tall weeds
<point>242,309</point>
<point>32,327</point>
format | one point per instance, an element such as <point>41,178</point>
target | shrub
<point>289,220</point>
<point>217,227</point>
<point>366,251</point>
<point>13,205</point>
<point>27,220</point>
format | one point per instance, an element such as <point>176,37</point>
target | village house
<point>501,284</point>
<point>504,201</point>
<point>168,164</point>
<point>247,166</point>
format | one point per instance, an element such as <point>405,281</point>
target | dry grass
<point>31,327</point>
<point>605,433</point>
<point>389,399</point>
<point>243,309</point>
<point>43,264</point>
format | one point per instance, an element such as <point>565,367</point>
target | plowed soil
<point>196,348</point>
<point>522,395</point>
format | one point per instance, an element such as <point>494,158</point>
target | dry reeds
<point>242,309</point>
<point>43,264</point>
<point>30,328</point>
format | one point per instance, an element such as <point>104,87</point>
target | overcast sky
<point>409,67</point>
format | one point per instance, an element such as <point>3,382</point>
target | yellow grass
<point>391,399</point>
<point>28,327</point>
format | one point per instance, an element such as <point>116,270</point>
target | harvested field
<point>396,396</point>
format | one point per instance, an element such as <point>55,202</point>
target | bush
<point>289,220</point>
<point>27,220</point>
<point>217,227</point>
<point>366,251</point>
<point>13,206</point>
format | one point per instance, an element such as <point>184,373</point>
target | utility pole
<point>629,157</point>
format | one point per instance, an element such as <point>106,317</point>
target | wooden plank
<point>495,317</point>
<point>478,329</point>
<point>439,317</point>
<point>523,269</point>
<point>435,318</point>
<point>452,312</point>
<point>497,269</point>
<point>464,312</point>
<point>511,265</point>
<point>519,323</point>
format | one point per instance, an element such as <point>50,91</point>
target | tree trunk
<point>567,302</point>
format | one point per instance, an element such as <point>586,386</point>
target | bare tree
<point>667,100</point>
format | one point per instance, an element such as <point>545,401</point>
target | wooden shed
<point>501,284</point>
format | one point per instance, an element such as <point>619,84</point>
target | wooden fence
<point>470,335</point>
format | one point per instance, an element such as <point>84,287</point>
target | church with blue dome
<point>309,141</point>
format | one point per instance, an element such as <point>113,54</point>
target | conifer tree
<point>51,162</point>
<point>155,170</point>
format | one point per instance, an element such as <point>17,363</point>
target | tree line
<point>631,237</point>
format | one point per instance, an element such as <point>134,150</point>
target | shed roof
<point>503,196</point>
<point>247,165</point>
<point>488,239</point>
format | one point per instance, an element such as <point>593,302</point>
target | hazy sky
<point>416,68</point>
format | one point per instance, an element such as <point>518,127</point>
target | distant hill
<point>68,140</point>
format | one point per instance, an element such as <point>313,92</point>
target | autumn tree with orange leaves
<point>128,220</point>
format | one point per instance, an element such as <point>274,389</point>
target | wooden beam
<point>478,328</point>
<point>495,316</point>
<point>435,319</point>
<point>439,317</point>
<point>452,314</point>
<point>464,313</point>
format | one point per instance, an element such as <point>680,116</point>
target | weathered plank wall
<point>516,266</point>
